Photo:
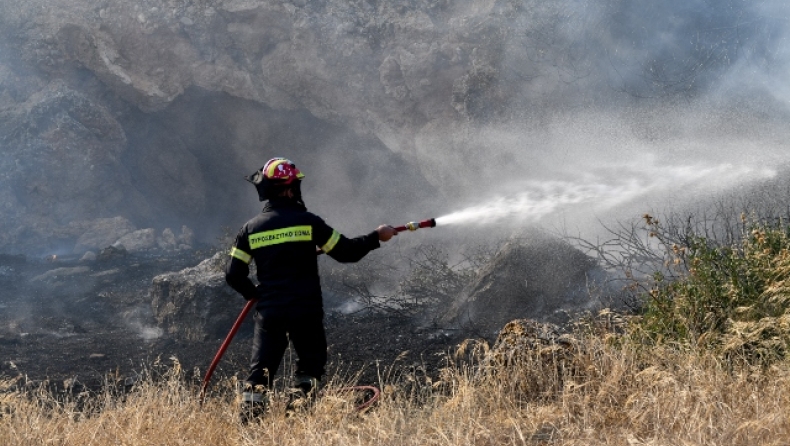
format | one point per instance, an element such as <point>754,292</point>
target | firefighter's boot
<point>302,395</point>
<point>254,402</point>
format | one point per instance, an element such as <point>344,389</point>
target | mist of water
<point>600,191</point>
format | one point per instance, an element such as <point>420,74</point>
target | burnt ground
<point>94,325</point>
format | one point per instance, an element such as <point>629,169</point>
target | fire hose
<point>411,226</point>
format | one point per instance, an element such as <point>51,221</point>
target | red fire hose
<point>411,226</point>
<point>224,346</point>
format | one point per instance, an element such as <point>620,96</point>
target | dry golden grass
<point>589,391</point>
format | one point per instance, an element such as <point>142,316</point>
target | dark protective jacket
<point>282,241</point>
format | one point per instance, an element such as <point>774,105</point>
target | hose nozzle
<point>415,225</point>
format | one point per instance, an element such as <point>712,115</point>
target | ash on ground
<point>67,321</point>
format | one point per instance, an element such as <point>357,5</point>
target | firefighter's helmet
<point>281,171</point>
<point>276,172</point>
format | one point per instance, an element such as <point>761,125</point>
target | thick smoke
<point>601,107</point>
<point>395,109</point>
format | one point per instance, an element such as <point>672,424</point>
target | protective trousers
<point>273,329</point>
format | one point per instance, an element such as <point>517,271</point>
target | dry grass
<point>585,390</point>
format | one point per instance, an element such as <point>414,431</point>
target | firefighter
<point>283,241</point>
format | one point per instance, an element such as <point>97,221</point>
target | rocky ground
<point>64,320</point>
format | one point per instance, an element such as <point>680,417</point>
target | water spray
<point>599,190</point>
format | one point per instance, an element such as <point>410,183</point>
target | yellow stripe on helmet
<point>273,167</point>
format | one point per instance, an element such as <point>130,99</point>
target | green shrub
<point>733,299</point>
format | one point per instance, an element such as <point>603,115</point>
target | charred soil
<point>85,325</point>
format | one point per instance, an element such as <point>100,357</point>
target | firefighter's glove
<point>386,232</point>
